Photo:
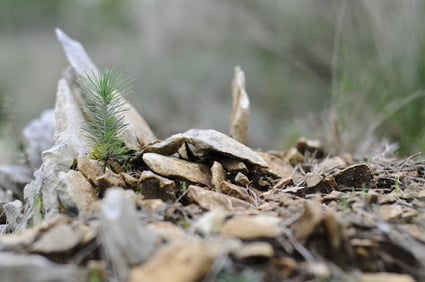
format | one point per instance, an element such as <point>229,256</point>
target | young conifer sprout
<point>104,106</point>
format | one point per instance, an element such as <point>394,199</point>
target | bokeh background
<point>349,73</point>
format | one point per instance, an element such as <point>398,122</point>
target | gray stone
<point>13,211</point>
<point>14,178</point>
<point>58,239</point>
<point>37,137</point>
<point>125,240</point>
<point>35,268</point>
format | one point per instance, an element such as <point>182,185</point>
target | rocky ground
<point>203,206</point>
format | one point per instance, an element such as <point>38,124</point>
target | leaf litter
<point>202,206</point>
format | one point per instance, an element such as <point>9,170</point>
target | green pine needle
<point>104,106</point>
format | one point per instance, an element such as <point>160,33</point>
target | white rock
<point>38,136</point>
<point>124,239</point>
<point>69,143</point>
<point>35,268</point>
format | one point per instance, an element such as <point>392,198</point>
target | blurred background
<point>349,73</point>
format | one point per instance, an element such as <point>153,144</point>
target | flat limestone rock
<point>252,227</point>
<point>312,179</point>
<point>385,277</point>
<point>173,167</point>
<point>180,261</point>
<point>210,200</point>
<point>208,140</point>
<point>58,239</point>
<point>167,230</point>
<point>154,186</point>
<point>23,240</point>
<point>76,194</point>
<point>253,251</point>
<point>278,166</point>
<point>91,169</point>
<point>236,191</point>
<point>14,178</point>
<point>35,268</point>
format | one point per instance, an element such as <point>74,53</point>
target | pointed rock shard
<point>76,54</point>
<point>240,111</point>
<point>138,132</point>
<point>68,144</point>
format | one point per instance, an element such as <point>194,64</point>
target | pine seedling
<point>104,106</point>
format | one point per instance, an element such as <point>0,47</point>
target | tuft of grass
<point>104,106</point>
<point>38,209</point>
